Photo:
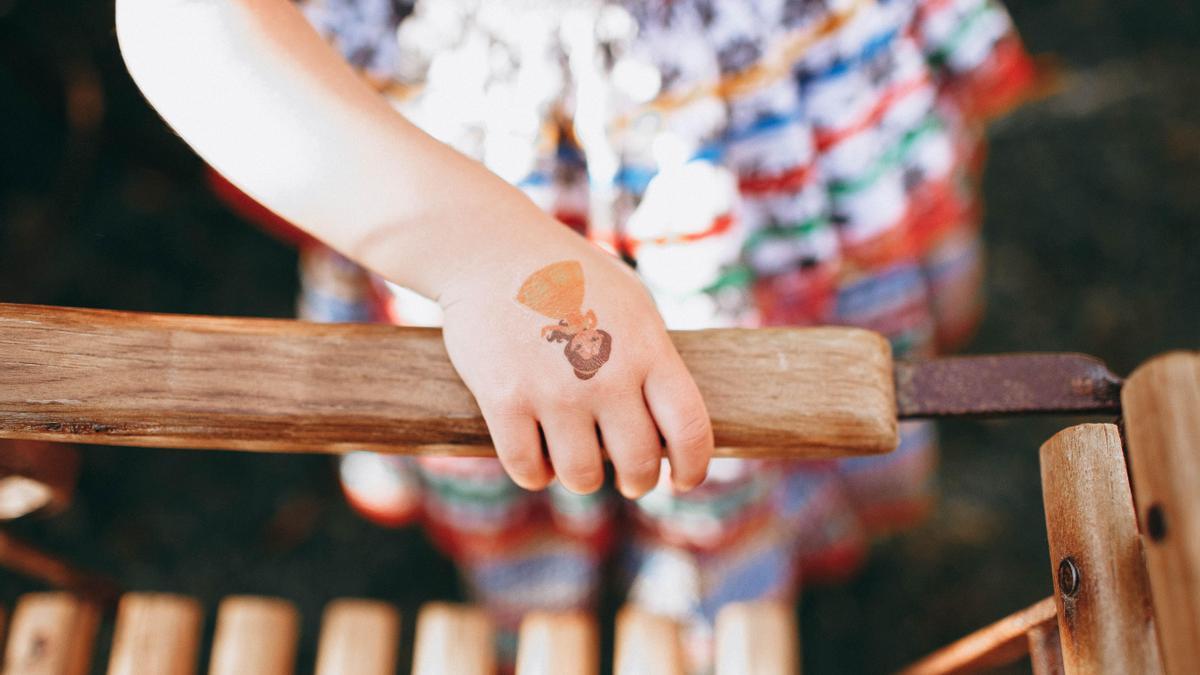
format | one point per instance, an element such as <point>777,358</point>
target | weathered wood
<point>94,376</point>
<point>647,643</point>
<point>255,635</point>
<point>156,634</point>
<point>558,643</point>
<point>51,634</point>
<point>1105,622</point>
<point>993,646</point>
<point>453,640</point>
<point>757,638</point>
<point>360,637</point>
<point>1162,429</point>
<point>1045,650</point>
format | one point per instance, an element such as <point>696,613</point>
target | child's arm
<point>261,97</point>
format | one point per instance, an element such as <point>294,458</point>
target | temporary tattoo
<point>556,291</point>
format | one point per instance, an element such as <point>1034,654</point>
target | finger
<point>682,419</point>
<point>519,447</point>
<point>574,449</point>
<point>632,443</point>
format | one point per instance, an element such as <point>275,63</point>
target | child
<point>765,162</point>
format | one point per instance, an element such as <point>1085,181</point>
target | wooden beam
<point>156,634</point>
<point>993,646</point>
<point>358,636</point>
<point>453,640</point>
<point>255,635</point>
<point>558,643</point>
<point>1162,426</point>
<point>757,638</point>
<point>647,643</point>
<point>1105,621</point>
<point>51,634</point>
<point>92,376</point>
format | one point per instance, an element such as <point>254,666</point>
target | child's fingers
<point>574,448</point>
<point>682,419</point>
<point>632,443</point>
<point>519,448</point>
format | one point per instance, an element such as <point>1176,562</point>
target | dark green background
<point>1093,207</point>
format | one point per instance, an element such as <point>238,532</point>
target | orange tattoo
<point>556,291</point>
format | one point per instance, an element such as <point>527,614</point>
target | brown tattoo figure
<point>556,291</point>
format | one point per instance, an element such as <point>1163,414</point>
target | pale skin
<point>265,101</point>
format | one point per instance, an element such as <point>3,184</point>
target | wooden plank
<point>647,643</point>
<point>358,636</point>
<point>1162,427</point>
<point>757,638</point>
<point>156,634</point>
<point>558,643</point>
<point>453,640</point>
<point>1045,650</point>
<point>1105,621</point>
<point>255,635</point>
<point>993,646</point>
<point>92,376</point>
<point>51,634</point>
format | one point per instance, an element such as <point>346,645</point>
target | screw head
<point>1068,577</point>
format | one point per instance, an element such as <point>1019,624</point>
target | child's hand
<point>566,338</point>
<point>257,93</point>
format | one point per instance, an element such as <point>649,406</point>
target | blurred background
<point>1093,238</point>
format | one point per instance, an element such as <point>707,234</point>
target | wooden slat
<point>255,635</point>
<point>1162,425</point>
<point>993,646</point>
<point>1105,621</point>
<point>156,634</point>
<point>1045,650</point>
<point>51,634</point>
<point>453,640</point>
<point>360,637</point>
<point>558,643</point>
<point>93,376</point>
<point>757,638</point>
<point>647,643</point>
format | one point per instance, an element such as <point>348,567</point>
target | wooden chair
<point>1123,523</point>
<point>54,634</point>
<point>1122,502</point>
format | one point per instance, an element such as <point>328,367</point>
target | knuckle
<point>644,466</point>
<point>525,467</point>
<point>581,475</point>
<point>694,434</point>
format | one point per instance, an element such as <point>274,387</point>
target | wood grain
<point>156,634</point>
<point>360,637</point>
<point>255,635</point>
<point>757,638</point>
<point>453,640</point>
<point>992,646</point>
<point>1045,650</point>
<point>51,634</point>
<point>94,376</point>
<point>558,643</point>
<point>1105,622</point>
<point>1162,425</point>
<point>647,643</point>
